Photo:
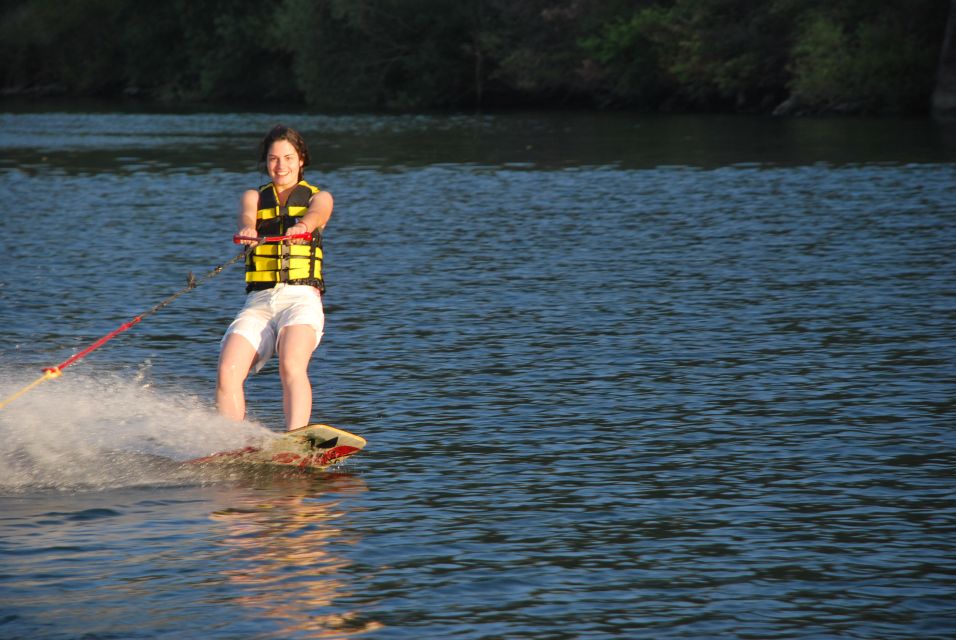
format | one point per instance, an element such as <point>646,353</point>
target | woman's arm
<point>320,210</point>
<point>248,206</point>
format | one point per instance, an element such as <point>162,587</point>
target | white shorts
<point>267,312</point>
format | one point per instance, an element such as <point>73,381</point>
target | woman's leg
<point>235,361</point>
<point>296,344</point>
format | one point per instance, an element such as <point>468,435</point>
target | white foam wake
<point>79,432</point>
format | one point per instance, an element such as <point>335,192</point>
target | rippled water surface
<point>621,377</point>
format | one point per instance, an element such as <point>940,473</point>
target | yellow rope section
<point>47,375</point>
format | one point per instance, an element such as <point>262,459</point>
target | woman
<point>283,309</point>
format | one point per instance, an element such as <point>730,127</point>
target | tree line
<point>794,56</point>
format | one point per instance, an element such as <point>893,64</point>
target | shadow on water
<point>196,143</point>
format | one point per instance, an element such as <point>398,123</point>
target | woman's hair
<point>290,135</point>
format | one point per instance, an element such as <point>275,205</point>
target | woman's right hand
<point>248,232</point>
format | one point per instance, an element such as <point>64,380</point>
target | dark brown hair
<point>290,135</point>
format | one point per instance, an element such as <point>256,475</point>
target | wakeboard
<point>312,447</point>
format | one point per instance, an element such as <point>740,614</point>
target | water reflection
<point>127,143</point>
<point>283,555</point>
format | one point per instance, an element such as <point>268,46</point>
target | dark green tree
<point>700,55</point>
<point>697,54</point>
<point>859,56</point>
<point>217,50</point>
<point>380,53</point>
<point>60,47</point>
<point>944,93</point>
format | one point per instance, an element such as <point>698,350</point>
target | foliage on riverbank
<point>794,56</point>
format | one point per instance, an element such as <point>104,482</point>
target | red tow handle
<point>236,239</point>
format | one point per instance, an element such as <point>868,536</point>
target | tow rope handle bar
<point>237,239</point>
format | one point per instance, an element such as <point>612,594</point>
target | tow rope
<point>191,283</point>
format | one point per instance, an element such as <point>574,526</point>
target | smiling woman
<point>283,310</point>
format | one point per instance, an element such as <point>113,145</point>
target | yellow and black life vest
<point>272,262</point>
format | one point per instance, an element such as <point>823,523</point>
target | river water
<point>622,376</point>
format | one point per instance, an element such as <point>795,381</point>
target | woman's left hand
<point>299,228</point>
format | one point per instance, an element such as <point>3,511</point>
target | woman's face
<point>283,164</point>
